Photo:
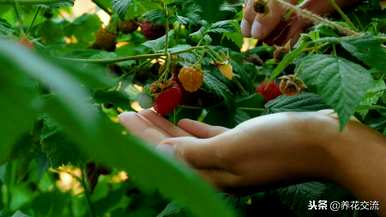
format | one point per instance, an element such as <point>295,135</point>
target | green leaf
<point>83,28</point>
<point>18,100</point>
<point>342,84</point>
<point>104,141</point>
<point>214,85</point>
<point>223,26</point>
<point>117,98</point>
<point>297,198</point>
<point>120,7</point>
<point>173,210</point>
<point>19,214</point>
<point>209,7</point>
<point>71,107</point>
<point>300,103</point>
<point>367,48</point>
<point>371,98</point>
<point>159,43</point>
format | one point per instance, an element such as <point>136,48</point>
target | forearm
<point>358,159</point>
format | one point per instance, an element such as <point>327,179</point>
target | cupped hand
<point>266,149</point>
<point>153,128</point>
<point>269,149</point>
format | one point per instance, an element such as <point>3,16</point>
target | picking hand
<point>275,26</point>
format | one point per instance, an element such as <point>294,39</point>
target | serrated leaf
<point>215,86</point>
<point>172,210</point>
<point>298,197</point>
<point>240,116</point>
<point>342,84</point>
<point>121,6</point>
<point>371,98</point>
<point>300,103</point>
<point>368,49</point>
<point>223,26</point>
<point>159,43</point>
<point>58,148</point>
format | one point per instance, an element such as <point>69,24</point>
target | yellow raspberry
<point>191,78</point>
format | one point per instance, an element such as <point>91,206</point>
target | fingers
<point>260,25</point>
<point>163,124</point>
<point>142,128</point>
<point>199,153</point>
<point>264,24</point>
<point>245,28</point>
<point>249,11</point>
<point>200,129</point>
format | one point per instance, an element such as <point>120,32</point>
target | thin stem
<point>317,19</point>
<point>342,14</point>
<point>87,193</point>
<point>136,57</point>
<point>190,107</point>
<point>166,28</point>
<point>334,50</point>
<point>18,17</point>
<point>166,52</point>
<point>240,86</point>
<point>33,19</point>
<point>251,109</point>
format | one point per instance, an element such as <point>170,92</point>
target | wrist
<point>315,130</point>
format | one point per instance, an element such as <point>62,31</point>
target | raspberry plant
<point>65,79</point>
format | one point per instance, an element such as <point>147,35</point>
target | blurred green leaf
<point>121,7</point>
<point>70,106</point>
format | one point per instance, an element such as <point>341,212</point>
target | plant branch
<point>33,19</point>
<point>342,14</point>
<point>316,18</point>
<point>137,57</point>
<point>18,17</point>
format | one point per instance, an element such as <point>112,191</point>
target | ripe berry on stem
<point>269,90</point>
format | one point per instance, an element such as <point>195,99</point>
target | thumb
<point>198,153</point>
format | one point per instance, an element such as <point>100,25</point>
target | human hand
<point>273,28</point>
<point>153,128</point>
<point>150,126</point>
<point>273,149</point>
<point>265,150</point>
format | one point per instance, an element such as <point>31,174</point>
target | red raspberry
<point>168,100</point>
<point>152,31</point>
<point>269,90</point>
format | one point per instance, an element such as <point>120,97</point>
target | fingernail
<point>257,29</point>
<point>166,149</point>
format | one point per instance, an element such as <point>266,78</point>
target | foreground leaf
<point>71,107</point>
